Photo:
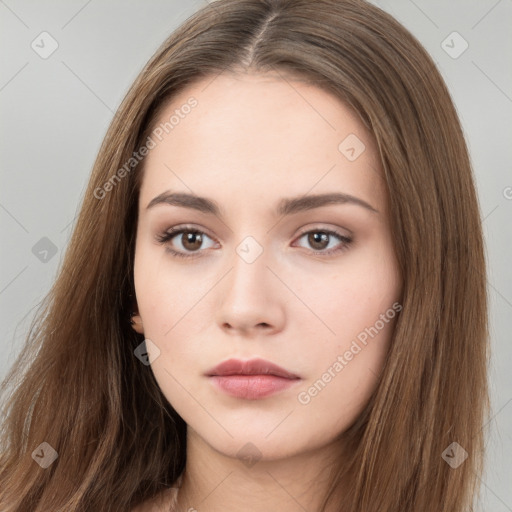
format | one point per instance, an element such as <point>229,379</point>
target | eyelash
<point>167,235</point>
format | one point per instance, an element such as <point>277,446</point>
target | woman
<point>274,297</point>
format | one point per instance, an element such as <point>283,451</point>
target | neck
<point>215,482</point>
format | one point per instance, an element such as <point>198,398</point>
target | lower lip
<point>252,387</point>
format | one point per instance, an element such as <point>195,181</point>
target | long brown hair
<point>84,393</point>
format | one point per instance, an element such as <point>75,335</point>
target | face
<point>263,267</point>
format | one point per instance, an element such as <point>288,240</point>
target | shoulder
<point>159,503</point>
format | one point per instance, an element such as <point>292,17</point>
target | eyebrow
<point>286,206</point>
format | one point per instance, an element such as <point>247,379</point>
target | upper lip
<point>251,367</point>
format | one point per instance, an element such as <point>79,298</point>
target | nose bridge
<point>250,272</point>
<point>248,298</point>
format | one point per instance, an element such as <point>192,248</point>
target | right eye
<point>190,240</point>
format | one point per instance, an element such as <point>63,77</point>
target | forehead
<point>256,134</point>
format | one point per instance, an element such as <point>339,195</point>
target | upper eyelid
<point>188,227</point>
<point>334,231</point>
<point>175,230</point>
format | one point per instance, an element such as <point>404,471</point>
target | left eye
<point>318,238</point>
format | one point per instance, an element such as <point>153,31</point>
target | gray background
<point>55,111</point>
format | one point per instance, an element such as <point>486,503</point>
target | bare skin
<point>251,141</point>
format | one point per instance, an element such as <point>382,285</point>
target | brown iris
<point>191,240</point>
<point>316,238</point>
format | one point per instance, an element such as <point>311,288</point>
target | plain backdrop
<point>56,107</point>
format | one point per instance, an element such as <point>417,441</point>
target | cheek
<point>176,309</point>
<point>161,291</point>
<point>345,372</point>
<point>358,308</point>
<point>351,298</point>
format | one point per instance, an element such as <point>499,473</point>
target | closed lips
<point>250,367</point>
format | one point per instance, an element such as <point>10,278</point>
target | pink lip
<point>251,367</point>
<point>251,379</point>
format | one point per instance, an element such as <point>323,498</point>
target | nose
<point>251,298</point>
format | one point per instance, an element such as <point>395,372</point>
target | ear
<point>136,322</point>
<point>135,318</point>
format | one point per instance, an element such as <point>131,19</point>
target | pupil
<point>190,238</point>
<point>318,238</point>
